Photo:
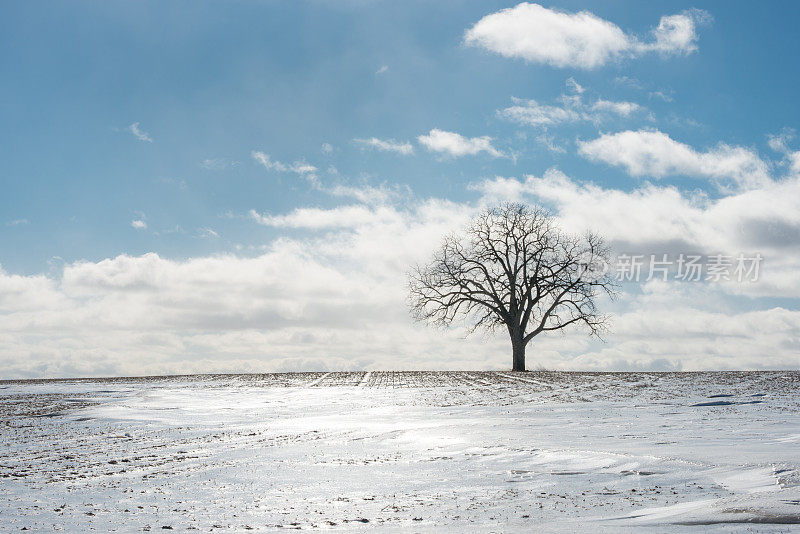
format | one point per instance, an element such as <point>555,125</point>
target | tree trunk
<point>518,353</point>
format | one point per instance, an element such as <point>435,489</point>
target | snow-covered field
<point>461,451</point>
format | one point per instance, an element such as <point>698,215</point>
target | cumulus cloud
<point>456,145</point>
<point>677,33</point>
<point>388,145</point>
<point>334,301</point>
<point>332,295</point>
<point>659,214</point>
<point>654,219</point>
<point>580,40</point>
<point>140,134</point>
<point>708,339</point>
<point>316,218</point>
<point>652,153</point>
<point>139,224</point>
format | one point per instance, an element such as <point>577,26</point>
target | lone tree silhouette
<point>514,267</point>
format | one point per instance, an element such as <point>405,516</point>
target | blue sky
<point>212,80</point>
<point>210,84</point>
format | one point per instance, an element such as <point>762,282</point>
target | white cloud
<point>661,95</point>
<point>794,159</point>
<point>364,192</point>
<point>299,167</point>
<point>780,143</point>
<point>17,222</point>
<point>676,33</point>
<point>140,134</point>
<point>581,40</point>
<point>384,68</point>
<point>139,224</point>
<point>336,299</point>
<point>651,153</point>
<point>532,113</point>
<point>574,86</point>
<point>571,109</point>
<point>624,109</point>
<point>216,164</point>
<point>549,143</point>
<point>332,296</point>
<point>389,145</point>
<point>207,232</point>
<point>654,219</point>
<point>628,81</point>
<point>327,148</point>
<point>368,194</point>
<point>708,339</point>
<point>456,145</point>
<point>316,218</point>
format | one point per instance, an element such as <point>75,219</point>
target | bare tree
<point>514,268</point>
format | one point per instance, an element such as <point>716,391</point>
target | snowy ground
<point>404,451</point>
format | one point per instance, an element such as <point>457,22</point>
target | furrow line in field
<point>318,380</point>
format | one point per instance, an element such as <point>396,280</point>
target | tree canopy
<point>513,267</point>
